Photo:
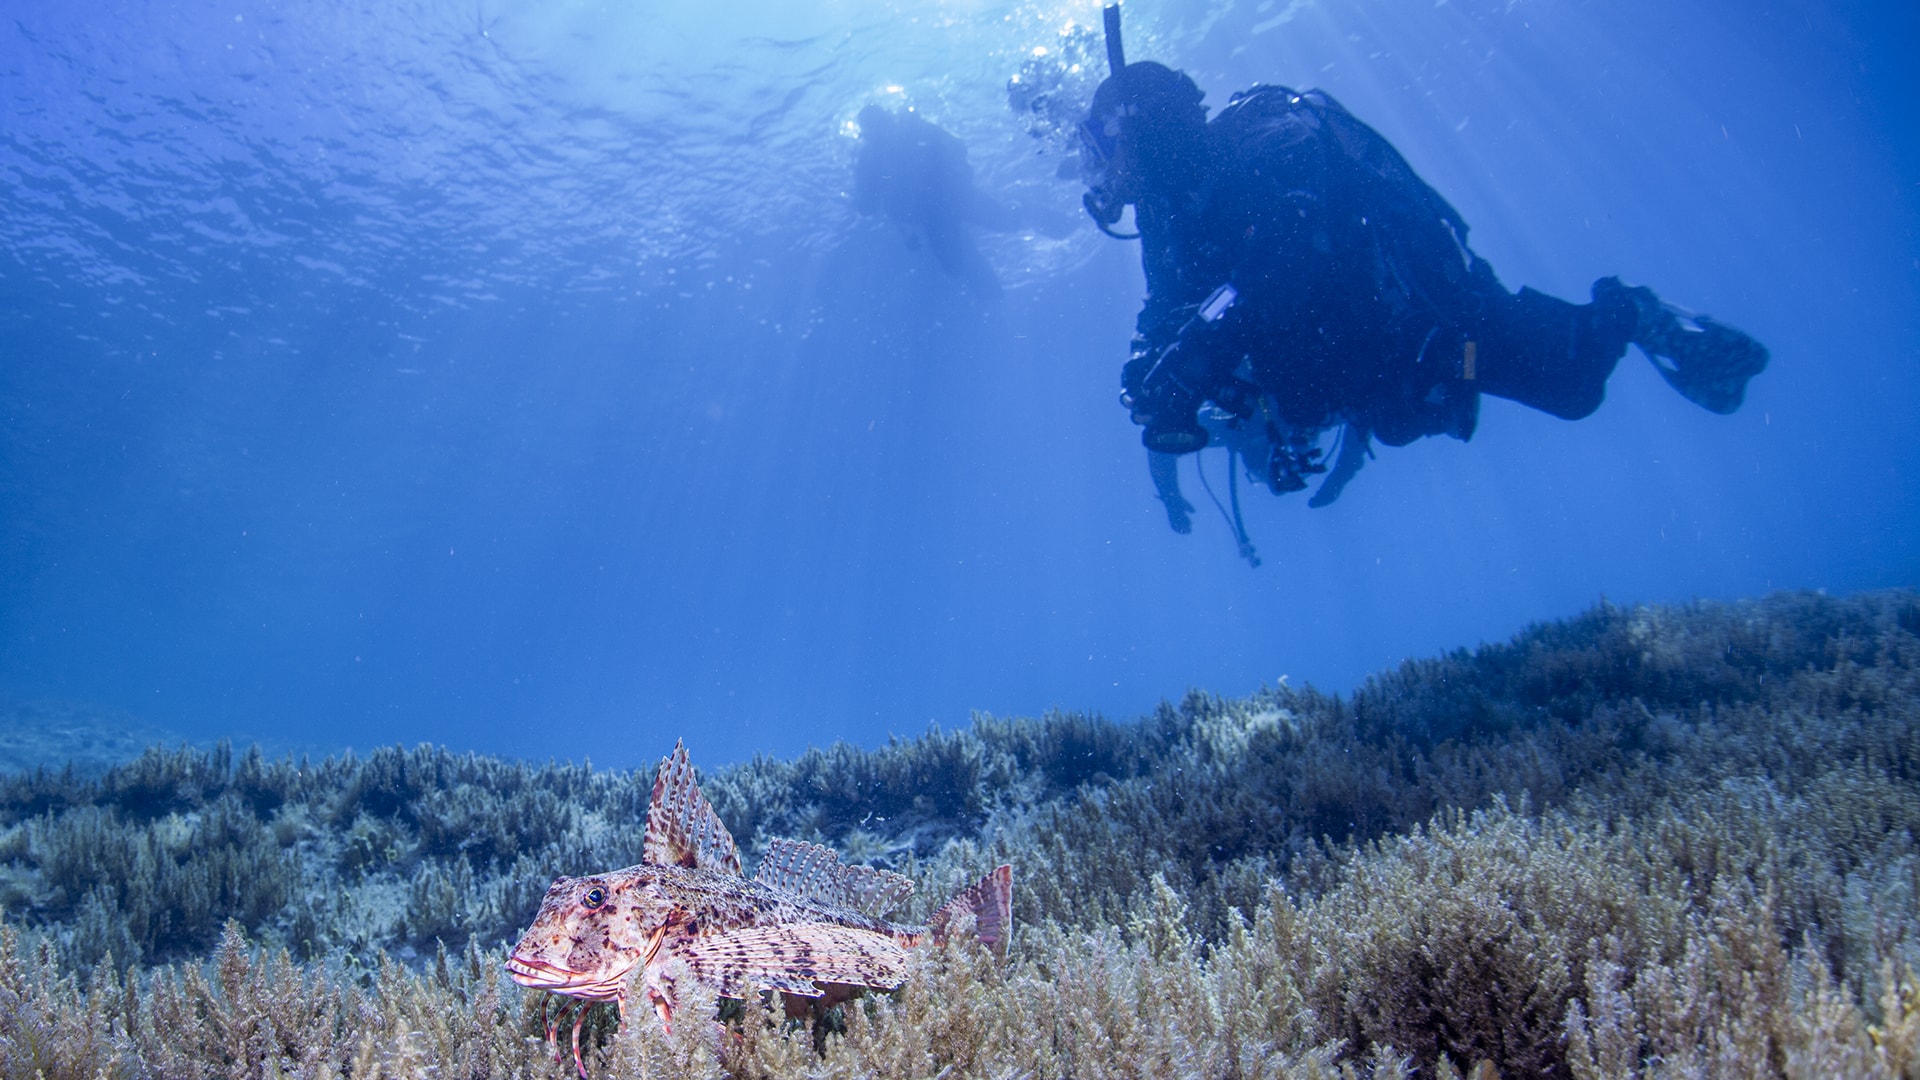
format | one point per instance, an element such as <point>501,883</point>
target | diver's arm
<point>1355,449</point>
<point>1165,470</point>
<point>1187,360</point>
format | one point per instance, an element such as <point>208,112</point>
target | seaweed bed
<point>1642,842</point>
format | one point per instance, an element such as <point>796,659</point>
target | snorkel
<point>1116,53</point>
<point>1097,144</point>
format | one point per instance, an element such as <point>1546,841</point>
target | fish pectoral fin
<point>795,958</point>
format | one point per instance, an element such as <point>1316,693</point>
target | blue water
<point>518,375</point>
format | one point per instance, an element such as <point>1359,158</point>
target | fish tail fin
<point>990,902</point>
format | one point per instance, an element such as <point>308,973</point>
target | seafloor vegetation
<point>1643,842</point>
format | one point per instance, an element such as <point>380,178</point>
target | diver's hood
<point>1157,112</point>
<point>1150,90</point>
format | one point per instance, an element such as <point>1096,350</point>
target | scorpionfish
<point>695,929</point>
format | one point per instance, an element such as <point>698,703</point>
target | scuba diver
<point>915,174</point>
<point>1302,279</point>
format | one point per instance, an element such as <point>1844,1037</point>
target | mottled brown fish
<point>697,930</point>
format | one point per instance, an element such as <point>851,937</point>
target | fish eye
<point>594,897</point>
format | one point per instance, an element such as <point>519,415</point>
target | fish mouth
<point>540,975</point>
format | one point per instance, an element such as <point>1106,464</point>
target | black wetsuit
<point>1359,300</point>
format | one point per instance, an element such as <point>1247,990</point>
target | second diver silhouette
<point>915,174</point>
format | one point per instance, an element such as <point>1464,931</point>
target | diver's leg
<point>1549,354</point>
<point>1706,360</point>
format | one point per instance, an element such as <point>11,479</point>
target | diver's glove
<point>1292,462</point>
<point>1162,394</point>
<point>1164,385</point>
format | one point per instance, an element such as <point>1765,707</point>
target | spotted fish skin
<point>591,933</point>
<point>695,929</point>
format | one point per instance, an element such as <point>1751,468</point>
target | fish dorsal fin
<point>682,829</point>
<point>794,958</point>
<point>990,902</point>
<point>817,873</point>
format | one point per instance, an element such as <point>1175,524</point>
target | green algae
<point>1643,841</point>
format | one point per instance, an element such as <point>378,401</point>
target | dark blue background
<point>517,376</point>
